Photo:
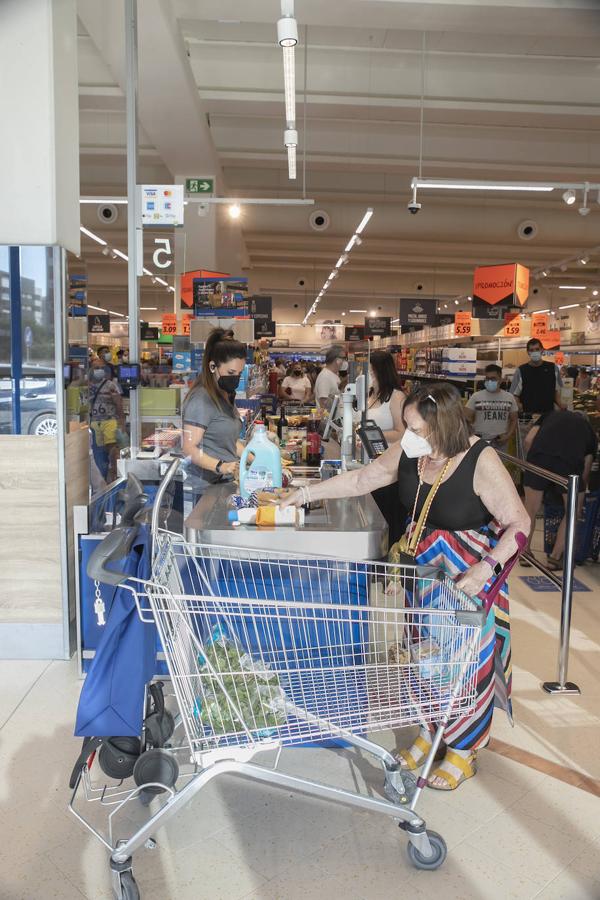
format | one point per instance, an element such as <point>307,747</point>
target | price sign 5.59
<point>462,324</point>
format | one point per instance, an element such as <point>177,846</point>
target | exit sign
<point>200,185</point>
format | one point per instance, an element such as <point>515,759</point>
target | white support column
<point>134,226</point>
<point>39,111</point>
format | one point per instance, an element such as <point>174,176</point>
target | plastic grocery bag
<point>236,689</point>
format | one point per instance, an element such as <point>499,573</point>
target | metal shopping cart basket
<point>269,650</point>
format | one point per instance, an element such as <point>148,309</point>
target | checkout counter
<point>351,529</point>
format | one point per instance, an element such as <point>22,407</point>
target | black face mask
<point>297,374</point>
<point>229,383</point>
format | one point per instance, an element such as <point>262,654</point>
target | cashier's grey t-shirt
<point>222,427</point>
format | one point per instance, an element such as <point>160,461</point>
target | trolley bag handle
<point>115,547</point>
<point>488,599</point>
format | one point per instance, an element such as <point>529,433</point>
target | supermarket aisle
<point>527,826</point>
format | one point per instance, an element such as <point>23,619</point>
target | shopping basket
<point>267,650</point>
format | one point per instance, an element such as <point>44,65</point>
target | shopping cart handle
<point>112,549</point>
<point>489,597</point>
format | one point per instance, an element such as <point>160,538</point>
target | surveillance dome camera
<point>413,207</point>
<point>296,305</point>
<point>319,220</point>
<point>107,213</point>
<point>527,230</point>
<point>535,291</point>
<point>419,287</point>
<point>301,282</point>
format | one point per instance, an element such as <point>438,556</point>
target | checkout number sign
<point>462,324</point>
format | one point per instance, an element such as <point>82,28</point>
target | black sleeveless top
<point>456,506</point>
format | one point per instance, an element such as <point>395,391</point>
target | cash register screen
<point>127,372</point>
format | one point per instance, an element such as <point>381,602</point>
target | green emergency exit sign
<point>200,185</point>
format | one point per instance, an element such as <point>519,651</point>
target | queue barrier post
<point>571,483</point>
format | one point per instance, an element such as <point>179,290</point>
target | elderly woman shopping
<point>466,514</point>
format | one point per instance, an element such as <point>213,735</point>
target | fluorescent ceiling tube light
<point>93,236</point>
<point>291,154</point>
<point>118,200</point>
<point>569,306</point>
<point>572,287</point>
<point>357,310</point>
<point>287,32</point>
<point>120,315</point>
<point>149,307</point>
<point>364,220</point>
<point>535,312</point>
<point>333,274</point>
<point>98,308</point>
<point>147,272</point>
<point>353,240</point>
<point>466,185</point>
<point>162,281</point>
<point>121,254</point>
<point>289,84</point>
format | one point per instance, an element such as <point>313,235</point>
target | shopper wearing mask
<point>328,379</point>
<point>537,383</point>
<point>296,386</point>
<point>386,399</point>
<point>211,422</point>
<point>466,514</point>
<point>105,354</point>
<point>492,411</point>
<point>106,416</point>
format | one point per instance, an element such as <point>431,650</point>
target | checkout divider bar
<point>571,483</point>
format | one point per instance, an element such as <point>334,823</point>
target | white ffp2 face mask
<point>413,445</point>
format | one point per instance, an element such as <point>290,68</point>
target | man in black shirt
<point>537,383</point>
<point>564,443</point>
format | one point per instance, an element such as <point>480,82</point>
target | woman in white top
<point>386,399</point>
<point>296,386</point>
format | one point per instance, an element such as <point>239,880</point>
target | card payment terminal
<point>372,438</point>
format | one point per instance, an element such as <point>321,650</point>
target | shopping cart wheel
<point>128,885</point>
<point>156,765</point>
<point>117,756</point>
<point>394,795</point>
<point>439,852</point>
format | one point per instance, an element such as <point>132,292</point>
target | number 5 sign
<point>162,255</point>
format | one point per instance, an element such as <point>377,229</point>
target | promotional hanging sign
<point>187,318</point>
<point>418,312</point>
<point>539,325</point>
<point>501,284</point>
<point>187,284</point>
<point>220,293</point>
<point>162,204</point>
<point>551,340</point>
<point>99,324</point>
<point>378,326</point>
<point>512,325</point>
<point>354,333</point>
<point>260,307</point>
<point>169,323</point>
<point>264,328</point>
<point>462,323</point>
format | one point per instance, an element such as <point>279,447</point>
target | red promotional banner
<point>501,284</point>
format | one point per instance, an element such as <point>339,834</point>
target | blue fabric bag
<point>112,698</point>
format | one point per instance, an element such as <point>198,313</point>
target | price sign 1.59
<point>512,326</point>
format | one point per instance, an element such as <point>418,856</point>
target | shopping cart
<point>269,650</point>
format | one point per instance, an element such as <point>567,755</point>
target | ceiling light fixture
<point>570,306</point>
<point>354,241</point>
<point>569,197</point>
<point>373,313</point>
<point>572,287</point>
<point>584,260</point>
<point>97,308</point>
<point>454,184</point>
<point>287,32</point>
<point>93,236</point>
<point>594,293</point>
<point>287,38</point>
<point>121,254</point>
<point>235,211</point>
<point>154,308</point>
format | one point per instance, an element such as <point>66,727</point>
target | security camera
<point>527,230</point>
<point>107,213</point>
<point>319,220</point>
<point>413,207</point>
<point>301,282</point>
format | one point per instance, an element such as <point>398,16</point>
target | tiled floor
<point>514,831</point>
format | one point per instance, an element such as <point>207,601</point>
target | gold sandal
<point>406,756</point>
<point>467,767</point>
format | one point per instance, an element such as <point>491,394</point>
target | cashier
<point>211,421</point>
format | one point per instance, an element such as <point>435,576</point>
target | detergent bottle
<point>265,469</point>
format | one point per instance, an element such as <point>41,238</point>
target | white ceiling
<point>512,90</point>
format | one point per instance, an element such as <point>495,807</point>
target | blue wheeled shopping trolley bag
<point>112,697</point>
